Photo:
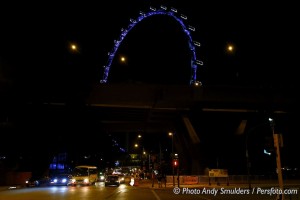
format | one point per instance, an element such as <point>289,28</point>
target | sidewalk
<point>148,184</point>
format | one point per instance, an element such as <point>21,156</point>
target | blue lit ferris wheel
<point>162,10</point>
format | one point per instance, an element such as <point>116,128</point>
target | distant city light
<point>122,149</point>
<point>2,157</point>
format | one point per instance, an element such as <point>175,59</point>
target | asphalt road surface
<point>125,191</point>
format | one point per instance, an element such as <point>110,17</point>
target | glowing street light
<point>173,166</point>
<point>230,48</point>
<point>73,48</point>
<point>123,59</point>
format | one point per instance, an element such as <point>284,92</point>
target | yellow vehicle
<point>84,175</point>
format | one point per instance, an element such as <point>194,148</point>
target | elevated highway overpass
<point>156,109</point>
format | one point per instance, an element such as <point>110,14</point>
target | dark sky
<point>35,38</point>
<point>36,62</point>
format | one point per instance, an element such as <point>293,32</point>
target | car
<point>61,179</point>
<point>112,180</point>
<point>121,179</point>
<point>36,181</point>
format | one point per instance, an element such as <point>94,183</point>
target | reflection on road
<point>123,192</point>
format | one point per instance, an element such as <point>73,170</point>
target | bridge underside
<point>196,113</point>
<point>157,108</point>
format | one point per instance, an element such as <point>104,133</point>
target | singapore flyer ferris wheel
<point>162,10</point>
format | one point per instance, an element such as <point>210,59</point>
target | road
<point>125,191</point>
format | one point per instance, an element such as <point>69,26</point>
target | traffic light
<point>175,162</point>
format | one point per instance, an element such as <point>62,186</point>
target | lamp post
<point>248,162</point>
<point>247,152</point>
<point>139,154</point>
<point>140,148</point>
<point>277,143</point>
<point>146,157</point>
<point>171,134</point>
<point>278,160</point>
<point>172,156</point>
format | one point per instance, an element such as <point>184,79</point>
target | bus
<point>84,175</point>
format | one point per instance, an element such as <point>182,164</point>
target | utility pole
<point>149,164</point>
<point>278,160</point>
<point>248,163</point>
<point>178,174</point>
<point>172,157</point>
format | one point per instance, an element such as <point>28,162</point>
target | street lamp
<point>73,48</point>
<point>175,164</point>
<point>247,151</point>
<point>123,59</point>
<point>137,151</point>
<point>278,160</point>
<point>277,142</point>
<point>172,135</point>
<point>141,149</point>
<point>248,162</point>
<point>230,48</point>
<point>172,156</point>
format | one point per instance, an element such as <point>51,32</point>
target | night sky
<point>35,40</point>
<point>36,63</point>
